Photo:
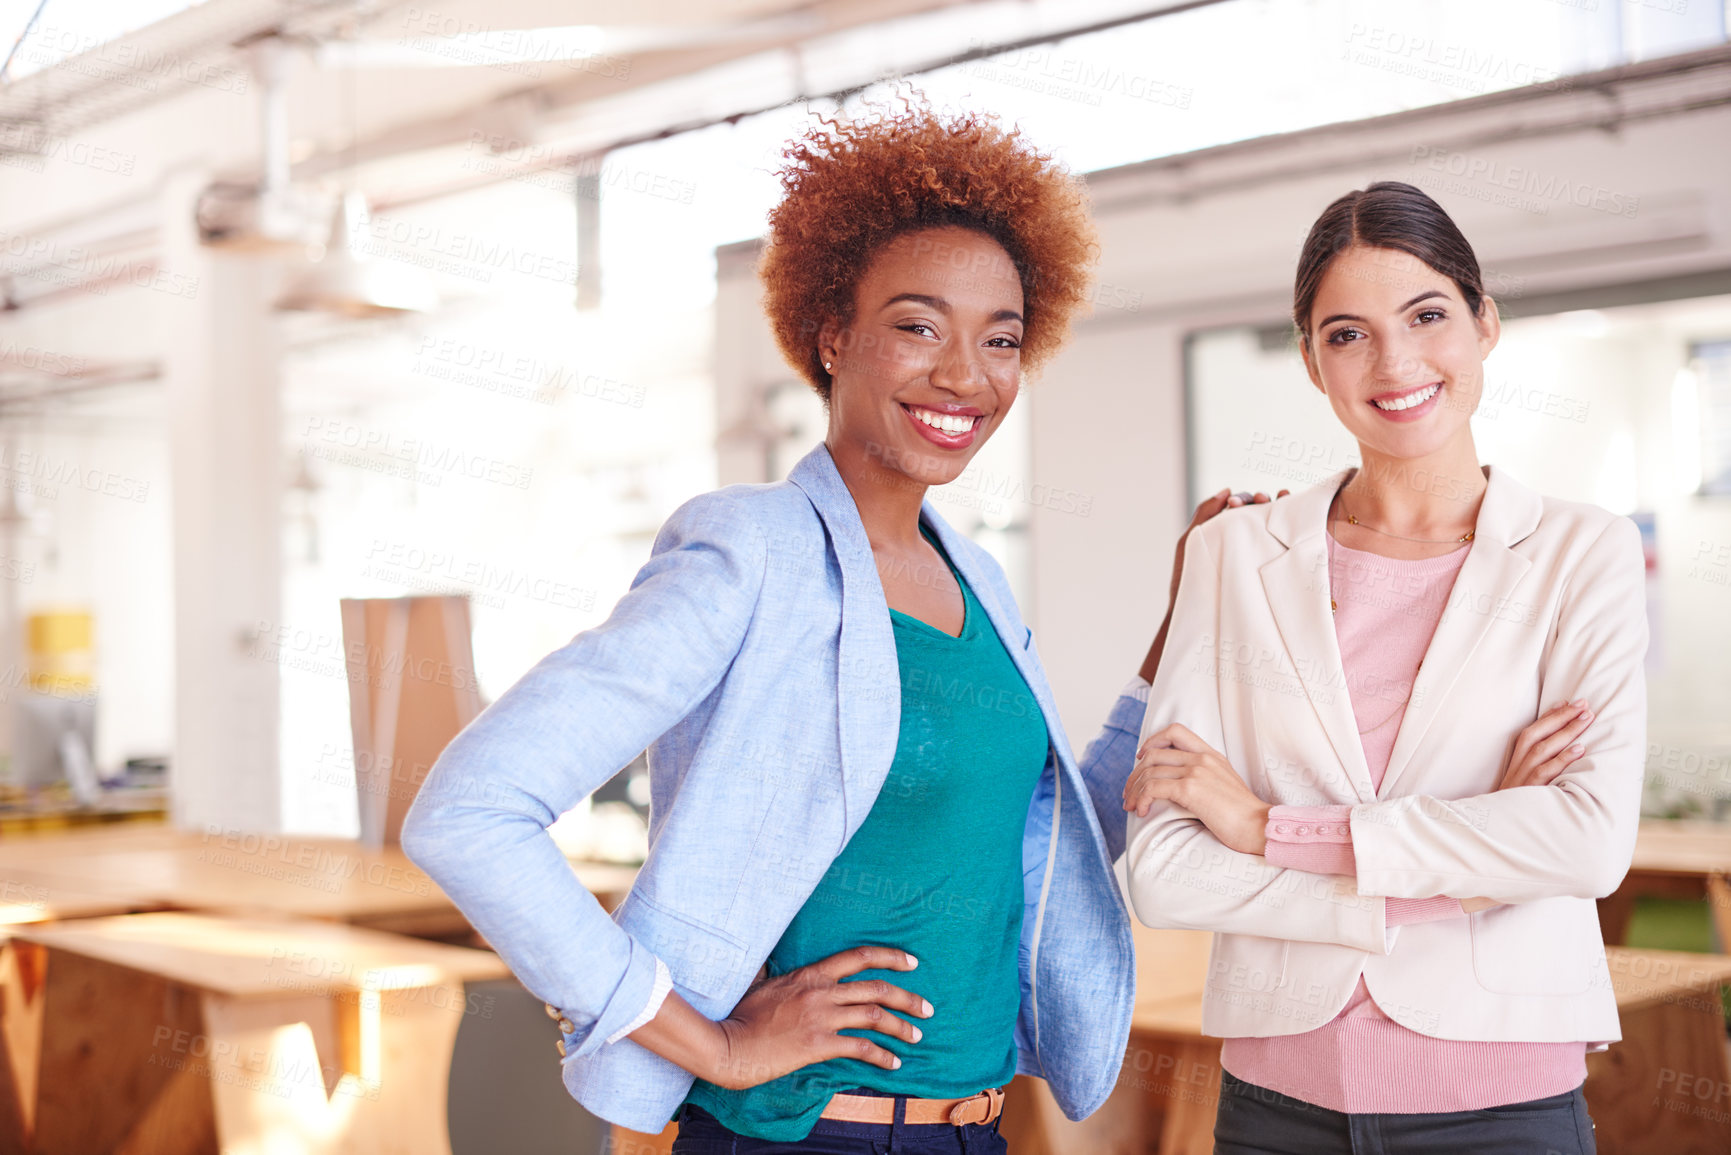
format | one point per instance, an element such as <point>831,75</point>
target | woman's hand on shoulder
<point>1174,765</point>
<point>1206,510</point>
<point>793,1020</point>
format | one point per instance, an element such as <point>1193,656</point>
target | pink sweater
<point>1363,1061</point>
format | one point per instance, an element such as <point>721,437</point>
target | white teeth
<point>1408,401</point>
<point>944,422</point>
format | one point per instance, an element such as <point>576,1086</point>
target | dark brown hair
<point>849,187</point>
<point>1387,215</point>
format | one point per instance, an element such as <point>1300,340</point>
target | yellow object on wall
<point>60,650</point>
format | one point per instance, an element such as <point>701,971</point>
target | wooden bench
<point>185,1034</point>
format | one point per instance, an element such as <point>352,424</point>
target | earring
<point>826,366</point>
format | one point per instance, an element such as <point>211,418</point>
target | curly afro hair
<point>849,187</point>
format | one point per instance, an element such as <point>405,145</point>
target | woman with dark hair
<point>1394,747</point>
<point>859,783</point>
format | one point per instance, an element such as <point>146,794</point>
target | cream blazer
<point>1549,606</point>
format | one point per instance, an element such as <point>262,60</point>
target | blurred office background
<point>304,300</point>
<point>557,220</point>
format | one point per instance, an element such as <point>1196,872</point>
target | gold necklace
<point>1334,606</point>
<point>1351,520</point>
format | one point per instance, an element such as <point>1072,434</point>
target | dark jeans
<point>701,1133</point>
<point>1256,1121</point>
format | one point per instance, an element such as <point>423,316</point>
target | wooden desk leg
<point>1192,1098</point>
<point>623,1141</point>
<point>108,1079</point>
<point>363,1072</point>
<point>1615,912</point>
<point>1665,1089</point>
<point>22,971</point>
<point>1719,906</point>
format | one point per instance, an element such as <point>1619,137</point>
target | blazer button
<point>1283,828</point>
<point>560,1043</point>
<point>553,1012</point>
<point>565,1025</point>
<point>1304,830</point>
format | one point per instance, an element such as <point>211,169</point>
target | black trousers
<point>1253,1120</point>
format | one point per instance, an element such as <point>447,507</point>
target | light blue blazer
<point>753,657</point>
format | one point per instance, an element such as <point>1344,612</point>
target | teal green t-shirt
<point>936,870</point>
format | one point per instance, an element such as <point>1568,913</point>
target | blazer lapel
<point>1483,592</point>
<point>1296,586</point>
<point>1003,622</point>
<point>868,678</point>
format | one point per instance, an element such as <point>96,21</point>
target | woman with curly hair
<point>877,887</point>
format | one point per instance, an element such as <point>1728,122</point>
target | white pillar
<point>220,358</point>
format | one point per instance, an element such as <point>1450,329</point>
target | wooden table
<point>182,1034</point>
<point>1664,1090</point>
<point>139,867</point>
<point>1674,859</point>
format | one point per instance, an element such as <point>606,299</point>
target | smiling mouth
<point>950,424</point>
<point>1408,400</point>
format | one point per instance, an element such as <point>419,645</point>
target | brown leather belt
<point>982,1108</point>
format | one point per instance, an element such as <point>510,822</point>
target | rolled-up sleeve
<point>1109,758</point>
<point>479,824</point>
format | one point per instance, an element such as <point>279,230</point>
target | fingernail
<point>917,1034</point>
<point>1586,715</point>
<point>926,1007</point>
<point>1577,749</point>
<point>912,961</point>
<point>1578,702</point>
<point>895,1062</point>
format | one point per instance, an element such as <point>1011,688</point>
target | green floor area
<point>1672,924</point>
<point>1676,924</point>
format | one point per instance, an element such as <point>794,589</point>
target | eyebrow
<point>1424,296</point>
<point>943,306</point>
